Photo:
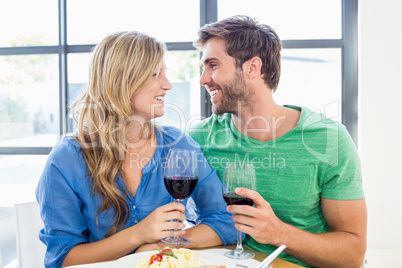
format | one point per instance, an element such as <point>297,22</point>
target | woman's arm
<point>151,229</point>
<point>110,248</point>
<point>200,236</point>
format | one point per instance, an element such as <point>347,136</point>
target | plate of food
<point>181,257</point>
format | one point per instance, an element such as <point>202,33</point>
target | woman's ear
<point>254,67</point>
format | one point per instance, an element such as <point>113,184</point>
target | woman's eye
<point>155,74</point>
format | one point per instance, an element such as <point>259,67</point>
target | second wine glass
<point>180,178</point>
<point>238,175</point>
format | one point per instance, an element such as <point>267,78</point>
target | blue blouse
<point>68,206</point>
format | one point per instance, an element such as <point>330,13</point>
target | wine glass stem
<point>239,246</point>
<point>178,201</point>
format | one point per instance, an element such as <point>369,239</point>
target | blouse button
<point>135,221</point>
<point>134,207</point>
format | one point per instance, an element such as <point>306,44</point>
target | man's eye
<point>212,65</point>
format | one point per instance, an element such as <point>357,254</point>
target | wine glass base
<point>176,240</point>
<point>233,254</point>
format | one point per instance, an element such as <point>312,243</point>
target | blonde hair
<point>121,65</point>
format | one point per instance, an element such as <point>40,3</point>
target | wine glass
<point>238,174</point>
<point>181,177</point>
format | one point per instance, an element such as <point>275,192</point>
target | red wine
<point>180,187</point>
<point>235,199</point>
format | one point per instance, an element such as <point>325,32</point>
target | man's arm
<point>344,246</point>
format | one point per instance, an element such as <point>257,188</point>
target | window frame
<point>208,13</point>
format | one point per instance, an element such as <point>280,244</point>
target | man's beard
<point>235,96</point>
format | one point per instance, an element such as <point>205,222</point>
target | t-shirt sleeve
<point>210,205</point>
<point>64,224</point>
<point>342,179</point>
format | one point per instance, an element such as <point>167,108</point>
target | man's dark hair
<point>246,38</point>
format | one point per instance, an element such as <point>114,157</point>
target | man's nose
<point>205,78</point>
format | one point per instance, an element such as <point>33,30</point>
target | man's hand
<point>343,246</point>
<point>260,222</point>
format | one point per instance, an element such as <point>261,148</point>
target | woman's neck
<point>138,133</point>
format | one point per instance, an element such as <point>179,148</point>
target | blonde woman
<point>101,193</point>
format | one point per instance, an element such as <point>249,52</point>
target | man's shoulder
<point>318,130</point>
<point>317,121</point>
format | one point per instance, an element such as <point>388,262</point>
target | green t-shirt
<point>315,159</point>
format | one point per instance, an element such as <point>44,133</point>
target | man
<point>309,189</point>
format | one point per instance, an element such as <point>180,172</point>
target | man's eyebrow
<point>206,61</point>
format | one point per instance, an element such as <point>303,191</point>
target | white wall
<point>380,122</point>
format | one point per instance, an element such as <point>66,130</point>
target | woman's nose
<point>167,85</point>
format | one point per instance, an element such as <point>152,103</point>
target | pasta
<point>185,258</point>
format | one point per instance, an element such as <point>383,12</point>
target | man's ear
<point>254,67</point>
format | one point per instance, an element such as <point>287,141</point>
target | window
<point>30,120</point>
<point>291,19</point>
<point>320,52</point>
<point>44,58</point>
<point>171,21</point>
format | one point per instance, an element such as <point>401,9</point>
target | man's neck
<point>266,120</point>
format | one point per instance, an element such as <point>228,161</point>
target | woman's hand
<point>159,224</point>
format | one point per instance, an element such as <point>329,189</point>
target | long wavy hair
<point>121,65</point>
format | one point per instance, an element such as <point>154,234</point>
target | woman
<point>101,193</point>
